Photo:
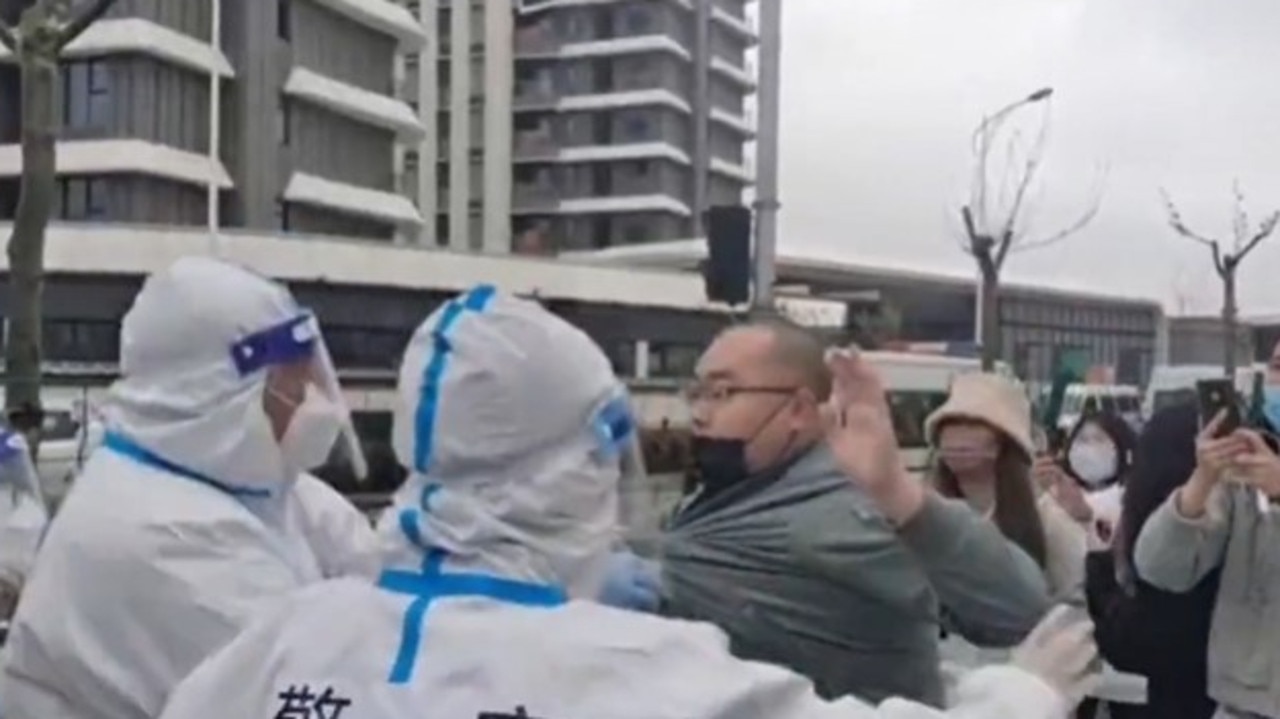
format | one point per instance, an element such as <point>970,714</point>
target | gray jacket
<point>805,572</point>
<point>1174,553</point>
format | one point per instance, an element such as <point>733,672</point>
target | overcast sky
<point>880,98</point>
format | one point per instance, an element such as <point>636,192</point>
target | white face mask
<point>312,432</point>
<point>1093,462</point>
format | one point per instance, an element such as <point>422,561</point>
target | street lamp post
<point>767,106</point>
<point>992,122</point>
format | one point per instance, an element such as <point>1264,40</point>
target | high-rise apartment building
<point>576,124</point>
<point>307,118</point>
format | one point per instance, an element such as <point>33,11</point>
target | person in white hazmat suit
<point>518,434</point>
<point>194,511</point>
<point>24,517</point>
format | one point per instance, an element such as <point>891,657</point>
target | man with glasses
<point>802,568</point>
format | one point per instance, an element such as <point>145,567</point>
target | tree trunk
<point>1230,321</point>
<point>990,330</point>
<point>39,76</point>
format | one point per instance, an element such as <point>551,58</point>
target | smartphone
<point>1217,395</point>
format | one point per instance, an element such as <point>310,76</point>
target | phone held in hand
<point>1218,395</point>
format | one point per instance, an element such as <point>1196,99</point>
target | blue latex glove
<point>632,583</point>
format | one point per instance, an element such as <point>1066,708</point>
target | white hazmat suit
<point>515,428</point>
<point>23,514</point>
<point>188,518</point>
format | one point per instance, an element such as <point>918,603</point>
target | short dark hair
<point>800,350</point>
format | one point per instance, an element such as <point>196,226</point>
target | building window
<point>601,233</point>
<point>637,20</point>
<point>411,161</point>
<point>442,229</point>
<point>634,233</point>
<point>640,168</point>
<point>282,215</point>
<point>635,127</point>
<point>284,19</point>
<point>82,198</point>
<point>86,94</point>
<point>284,122</point>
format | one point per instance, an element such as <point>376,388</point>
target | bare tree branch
<point>1090,211</point>
<point>1081,222</point>
<point>1176,222</point>
<point>90,14</point>
<point>1035,157</point>
<point>1264,231</point>
<point>7,38</point>
<point>1180,227</point>
<point>978,192</point>
<point>970,229</point>
<point>1240,222</point>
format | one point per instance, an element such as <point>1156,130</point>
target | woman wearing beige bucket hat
<point>984,448</point>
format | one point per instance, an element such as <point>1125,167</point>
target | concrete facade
<point>569,126</point>
<point>1201,340</point>
<point>307,116</point>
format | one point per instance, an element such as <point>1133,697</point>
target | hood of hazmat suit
<point>187,519</point>
<point>514,428</point>
<point>23,514</point>
<point>516,434</point>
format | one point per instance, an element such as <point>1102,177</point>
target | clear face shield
<point>617,431</point>
<point>302,381</point>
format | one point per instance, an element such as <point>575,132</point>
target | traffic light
<point>727,270</point>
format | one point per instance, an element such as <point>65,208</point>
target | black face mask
<point>718,462</point>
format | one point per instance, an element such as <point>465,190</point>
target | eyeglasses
<point>696,392</point>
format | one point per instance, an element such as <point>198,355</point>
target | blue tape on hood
<point>476,300</point>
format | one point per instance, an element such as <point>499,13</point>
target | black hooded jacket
<point>1141,629</point>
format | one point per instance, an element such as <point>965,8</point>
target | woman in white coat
<point>517,435</point>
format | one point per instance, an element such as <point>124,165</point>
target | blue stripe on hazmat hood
<point>476,300</point>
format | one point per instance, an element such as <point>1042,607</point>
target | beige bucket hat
<point>990,399</point>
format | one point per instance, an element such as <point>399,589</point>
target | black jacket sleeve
<point>1125,640</point>
<point>1148,631</point>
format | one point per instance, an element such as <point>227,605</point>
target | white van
<point>1175,384</point>
<point>1118,399</point>
<point>918,384</point>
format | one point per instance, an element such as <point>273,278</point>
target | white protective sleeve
<point>750,690</point>
<point>341,537</point>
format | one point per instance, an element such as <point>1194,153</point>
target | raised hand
<point>1215,456</point>
<point>1064,490</point>
<point>861,436</point>
<point>1256,465</point>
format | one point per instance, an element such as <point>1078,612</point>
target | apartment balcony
<point>744,77</point>
<point>534,145</point>
<point>536,41</point>
<point>736,25</point>
<point>534,198</point>
<point>535,96</point>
